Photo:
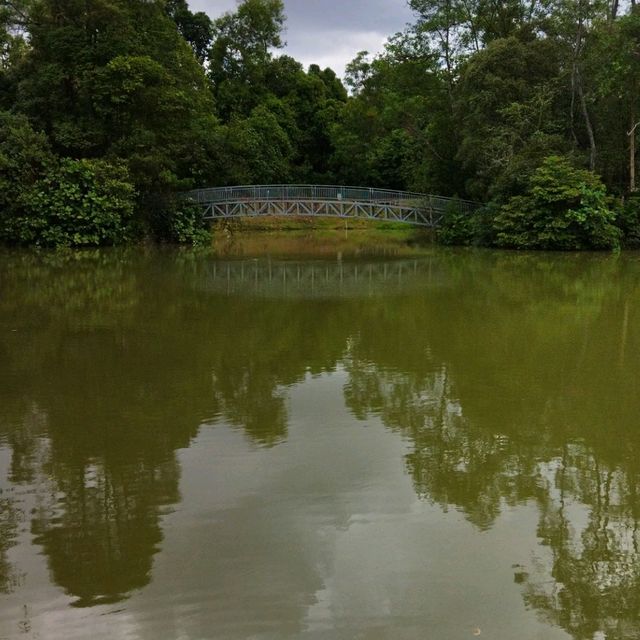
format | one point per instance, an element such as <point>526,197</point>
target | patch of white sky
<point>330,33</point>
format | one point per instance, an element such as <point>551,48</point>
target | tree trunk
<point>632,161</point>
<point>573,106</point>
<point>632,152</point>
<point>615,5</point>
<point>577,87</point>
<point>587,121</point>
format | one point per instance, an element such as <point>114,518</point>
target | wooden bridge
<point>324,201</point>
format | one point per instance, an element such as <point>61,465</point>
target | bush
<point>25,156</point>
<point>628,221</point>
<point>457,227</point>
<point>463,228</point>
<point>188,226</point>
<point>563,208</point>
<point>176,220</point>
<point>75,203</point>
<point>48,201</point>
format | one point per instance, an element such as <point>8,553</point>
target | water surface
<point>408,444</point>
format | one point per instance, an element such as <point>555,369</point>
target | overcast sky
<point>330,32</point>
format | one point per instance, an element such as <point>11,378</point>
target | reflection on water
<point>318,279</point>
<point>322,448</point>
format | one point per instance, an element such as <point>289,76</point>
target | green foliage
<point>77,203</point>
<point>116,79</point>
<point>24,156</point>
<point>12,49</point>
<point>469,100</point>
<point>310,104</point>
<point>179,221</point>
<point>398,123</point>
<point>276,117</point>
<point>615,88</point>
<point>467,228</point>
<point>258,149</point>
<point>240,54</point>
<point>196,28</point>
<point>457,227</point>
<point>49,201</point>
<point>507,103</point>
<point>628,221</point>
<point>464,26</point>
<point>563,208</point>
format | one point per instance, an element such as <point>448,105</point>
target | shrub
<point>563,208</point>
<point>75,203</point>
<point>628,221</point>
<point>188,226</point>
<point>25,156</point>
<point>48,201</point>
<point>457,227</point>
<point>176,220</point>
<point>464,228</point>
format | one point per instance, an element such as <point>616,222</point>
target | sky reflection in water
<point>413,446</point>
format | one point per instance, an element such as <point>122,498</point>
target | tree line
<point>110,108</point>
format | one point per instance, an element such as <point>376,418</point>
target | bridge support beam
<point>326,202</point>
<point>324,209</point>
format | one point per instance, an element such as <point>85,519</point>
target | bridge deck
<point>326,201</point>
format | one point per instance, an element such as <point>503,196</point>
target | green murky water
<point>433,445</point>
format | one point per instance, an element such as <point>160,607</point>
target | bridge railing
<point>286,192</point>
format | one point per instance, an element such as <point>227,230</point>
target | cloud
<point>382,16</point>
<point>330,32</point>
<point>336,48</point>
<point>214,8</point>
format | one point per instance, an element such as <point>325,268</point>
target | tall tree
<point>507,106</point>
<point>397,124</point>
<point>616,107</point>
<point>241,51</point>
<point>196,28</point>
<point>112,78</point>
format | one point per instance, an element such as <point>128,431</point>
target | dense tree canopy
<point>470,101</point>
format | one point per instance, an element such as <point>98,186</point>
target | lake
<point>319,439</point>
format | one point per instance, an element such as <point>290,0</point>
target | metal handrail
<point>279,192</point>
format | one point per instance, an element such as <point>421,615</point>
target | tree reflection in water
<point>550,417</point>
<point>512,379</point>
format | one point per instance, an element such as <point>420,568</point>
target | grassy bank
<point>326,237</point>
